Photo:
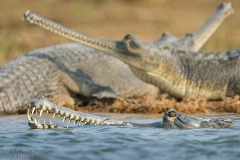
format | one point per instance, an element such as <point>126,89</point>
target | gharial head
<point>131,50</point>
<point>175,120</point>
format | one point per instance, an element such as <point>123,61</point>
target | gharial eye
<point>172,114</point>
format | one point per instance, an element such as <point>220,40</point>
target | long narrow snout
<point>175,120</point>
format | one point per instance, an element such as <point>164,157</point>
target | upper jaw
<point>189,121</point>
<point>196,122</point>
<point>182,121</point>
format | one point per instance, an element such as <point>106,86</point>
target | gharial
<point>65,71</point>
<point>171,120</point>
<point>180,73</point>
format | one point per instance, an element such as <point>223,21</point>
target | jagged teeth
<point>33,110</point>
<point>54,115</point>
<point>71,117</point>
<point>66,114</point>
<point>29,118</point>
<point>57,111</point>
<point>82,119</point>
<point>41,112</point>
<point>44,124</point>
<point>88,121</point>
<point>94,122</point>
<point>60,113</point>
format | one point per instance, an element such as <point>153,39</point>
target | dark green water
<point>17,141</point>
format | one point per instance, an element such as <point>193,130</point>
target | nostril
<point>128,37</point>
<point>189,35</point>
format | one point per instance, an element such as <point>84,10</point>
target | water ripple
<point>122,142</point>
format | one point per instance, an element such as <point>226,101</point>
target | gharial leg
<point>86,87</point>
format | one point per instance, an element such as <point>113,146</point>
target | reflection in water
<point>116,142</point>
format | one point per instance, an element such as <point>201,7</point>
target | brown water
<point>18,141</point>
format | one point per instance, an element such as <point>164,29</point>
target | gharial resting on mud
<point>172,66</point>
<point>171,119</point>
<point>66,71</point>
<point>174,71</point>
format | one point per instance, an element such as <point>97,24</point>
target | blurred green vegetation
<point>111,19</point>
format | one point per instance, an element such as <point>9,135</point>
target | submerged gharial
<point>66,73</point>
<point>180,73</point>
<point>171,119</point>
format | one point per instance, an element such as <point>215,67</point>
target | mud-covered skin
<point>171,120</point>
<point>179,73</point>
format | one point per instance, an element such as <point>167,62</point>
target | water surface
<point>118,142</point>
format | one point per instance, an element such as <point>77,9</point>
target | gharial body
<point>180,73</point>
<point>61,72</point>
<point>65,71</point>
<point>171,120</point>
